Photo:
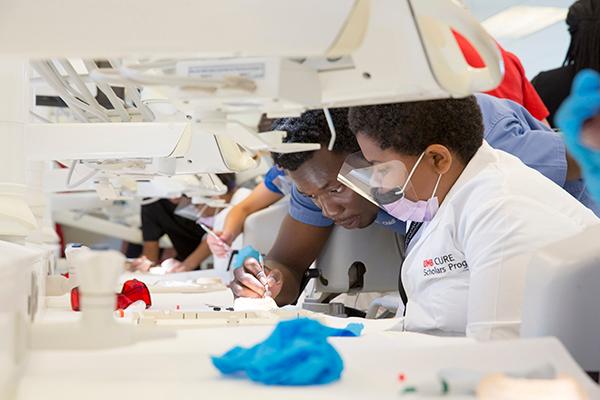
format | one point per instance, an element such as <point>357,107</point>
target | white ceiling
<point>539,51</point>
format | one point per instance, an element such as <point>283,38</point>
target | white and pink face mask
<point>380,184</point>
<point>408,210</point>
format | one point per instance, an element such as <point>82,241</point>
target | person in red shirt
<point>514,86</point>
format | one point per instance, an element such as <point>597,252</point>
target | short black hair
<point>311,127</point>
<point>228,180</point>
<point>583,20</point>
<point>409,128</point>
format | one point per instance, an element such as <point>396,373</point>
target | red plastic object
<point>135,290</point>
<point>75,299</point>
<point>132,291</point>
<point>514,86</point>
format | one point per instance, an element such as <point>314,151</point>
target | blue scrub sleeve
<point>271,174</point>
<point>509,127</point>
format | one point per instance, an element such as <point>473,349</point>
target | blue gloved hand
<point>582,104</point>
<point>243,254</point>
<point>296,353</point>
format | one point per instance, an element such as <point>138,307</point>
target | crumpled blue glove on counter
<point>582,104</point>
<point>296,353</point>
<point>243,254</point>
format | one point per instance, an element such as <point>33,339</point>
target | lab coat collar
<point>484,156</point>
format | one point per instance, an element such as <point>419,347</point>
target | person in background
<point>583,22</point>
<point>270,190</point>
<point>514,86</point>
<point>509,127</point>
<point>158,219</point>
<point>220,264</point>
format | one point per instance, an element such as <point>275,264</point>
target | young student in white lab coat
<point>476,214</point>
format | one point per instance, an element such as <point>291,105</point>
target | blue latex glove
<point>582,104</point>
<point>243,254</point>
<point>296,353</point>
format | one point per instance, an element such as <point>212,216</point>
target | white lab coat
<point>465,270</point>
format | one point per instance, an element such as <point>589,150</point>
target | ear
<point>440,158</point>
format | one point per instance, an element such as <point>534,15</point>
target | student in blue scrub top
<point>318,200</point>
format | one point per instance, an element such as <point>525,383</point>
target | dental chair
<point>262,227</point>
<point>562,297</point>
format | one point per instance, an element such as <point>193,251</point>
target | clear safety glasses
<point>381,183</point>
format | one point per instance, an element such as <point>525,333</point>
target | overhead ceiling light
<point>519,21</point>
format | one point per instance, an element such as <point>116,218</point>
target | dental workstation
<point>300,199</point>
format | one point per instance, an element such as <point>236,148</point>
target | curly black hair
<point>311,127</point>
<point>409,128</point>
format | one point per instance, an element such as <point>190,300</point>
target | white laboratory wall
<point>539,51</point>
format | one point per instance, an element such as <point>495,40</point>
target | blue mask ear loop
<point>412,171</point>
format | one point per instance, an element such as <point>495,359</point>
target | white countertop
<point>180,368</point>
